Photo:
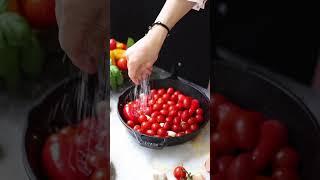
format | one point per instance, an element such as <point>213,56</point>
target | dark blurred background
<point>282,36</point>
<point>188,43</point>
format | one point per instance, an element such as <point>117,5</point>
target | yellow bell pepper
<point>118,53</point>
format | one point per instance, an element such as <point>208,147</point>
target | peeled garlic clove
<point>171,134</point>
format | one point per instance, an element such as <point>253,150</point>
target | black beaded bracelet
<point>161,24</point>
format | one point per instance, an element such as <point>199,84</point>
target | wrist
<point>158,35</point>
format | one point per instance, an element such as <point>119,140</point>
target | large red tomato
<point>241,168</point>
<point>39,13</point>
<point>58,159</point>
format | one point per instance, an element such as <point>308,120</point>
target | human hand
<point>82,29</point>
<point>144,53</point>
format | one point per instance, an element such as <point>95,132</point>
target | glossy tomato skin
<point>222,142</point>
<point>241,168</point>
<point>286,158</point>
<point>113,44</point>
<point>162,132</point>
<point>246,130</point>
<point>170,90</point>
<point>273,136</point>
<point>122,64</point>
<point>128,112</point>
<point>285,174</point>
<point>194,127</point>
<point>40,14</point>
<point>180,173</point>
<point>222,164</point>
<point>100,174</point>
<point>58,159</point>
<point>130,123</point>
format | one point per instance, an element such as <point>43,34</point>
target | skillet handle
<point>175,71</point>
<point>153,143</point>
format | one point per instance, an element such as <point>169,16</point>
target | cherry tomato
<point>161,91</point>
<point>150,132</point>
<point>199,118</point>
<point>179,106</point>
<point>147,110</point>
<point>176,128</point>
<point>181,98</point>
<point>156,107</point>
<point>186,102</point>
<point>176,120</point>
<point>185,115</point>
<point>142,118</point>
<point>145,126</point>
<point>180,173</point>
<point>179,134</point>
<point>153,120</point>
<point>167,125</point>
<point>179,113</point>
<point>166,97</point>
<point>96,160</point>
<point>164,112</point>
<point>136,127</point>
<point>170,90</point>
<point>130,123</point>
<point>100,174</point>
<point>151,102</point>
<point>113,44</point>
<point>195,104</point>
<point>199,111</point>
<point>194,127</point>
<point>153,92</point>
<point>222,142</point>
<point>156,97</point>
<point>165,106</point>
<point>155,114</point>
<point>171,103</point>
<point>191,120</point>
<point>188,131</point>
<point>128,112</point>
<point>160,101</point>
<point>192,111</point>
<point>285,174</point>
<point>122,64</point>
<point>176,93</point>
<point>184,126</point>
<point>222,164</point>
<point>58,159</point>
<point>155,127</point>
<point>286,158</point>
<point>162,132</point>
<point>173,113</point>
<point>241,168</point>
<point>174,98</point>
<point>161,118</point>
<point>169,119</point>
<point>273,136</point>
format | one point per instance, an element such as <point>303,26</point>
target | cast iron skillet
<point>253,89</point>
<point>172,81</point>
<point>56,109</point>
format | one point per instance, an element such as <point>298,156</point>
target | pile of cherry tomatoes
<point>77,152</point>
<point>167,113</point>
<point>249,146</point>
